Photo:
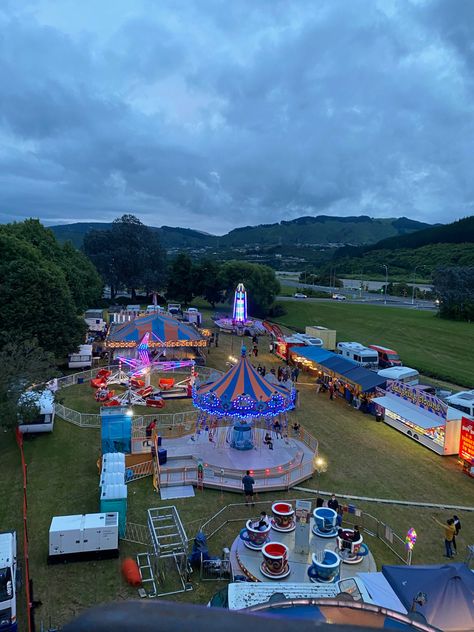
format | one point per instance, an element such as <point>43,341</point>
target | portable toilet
<point>116,429</point>
<point>113,457</point>
<point>111,467</point>
<point>111,478</point>
<point>114,498</point>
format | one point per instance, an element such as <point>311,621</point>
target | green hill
<point>304,231</point>
<point>446,245</point>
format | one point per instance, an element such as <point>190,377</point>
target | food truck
<point>422,416</point>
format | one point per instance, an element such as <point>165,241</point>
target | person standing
<point>332,503</point>
<point>296,373</point>
<point>457,526</point>
<point>449,534</point>
<point>248,482</point>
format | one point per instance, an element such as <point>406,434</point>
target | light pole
<point>386,283</point>
<point>413,292</point>
<point>320,466</point>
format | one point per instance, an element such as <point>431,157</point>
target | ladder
<point>146,573</point>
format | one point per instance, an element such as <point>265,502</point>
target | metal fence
<point>368,524</point>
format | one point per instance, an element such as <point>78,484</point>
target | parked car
<point>338,297</point>
<point>300,295</point>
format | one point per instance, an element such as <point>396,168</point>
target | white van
<point>82,359</point>
<point>404,374</point>
<point>363,356</point>
<point>44,422</point>
<point>463,401</point>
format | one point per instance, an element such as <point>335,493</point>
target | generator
<point>83,537</point>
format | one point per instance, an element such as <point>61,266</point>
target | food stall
<point>466,446</point>
<point>421,416</point>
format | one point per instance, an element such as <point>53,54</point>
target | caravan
<point>82,359</point>
<point>44,422</point>
<point>463,401</point>
<point>363,356</point>
<point>8,568</point>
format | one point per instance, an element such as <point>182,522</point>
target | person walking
<point>149,432</point>
<point>296,373</point>
<point>449,534</point>
<point>331,390</point>
<point>247,483</point>
<point>457,526</point>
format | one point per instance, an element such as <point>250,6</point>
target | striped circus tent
<point>163,330</point>
<point>243,392</point>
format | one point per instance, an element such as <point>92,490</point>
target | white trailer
<point>363,356</point>
<point>8,569</point>
<point>81,359</point>
<point>463,401</point>
<point>83,537</point>
<point>402,374</point>
<point>44,421</point>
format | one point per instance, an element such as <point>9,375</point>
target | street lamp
<point>320,466</point>
<point>413,292</point>
<point>386,283</point>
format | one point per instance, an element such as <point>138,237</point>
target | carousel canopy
<point>243,392</point>
<point>164,330</point>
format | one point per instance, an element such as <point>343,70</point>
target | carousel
<point>238,400</point>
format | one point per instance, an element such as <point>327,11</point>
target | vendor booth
<point>352,382</point>
<point>421,416</point>
<point>466,446</point>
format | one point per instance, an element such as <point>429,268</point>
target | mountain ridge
<point>306,230</point>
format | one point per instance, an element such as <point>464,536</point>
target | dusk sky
<point>215,114</point>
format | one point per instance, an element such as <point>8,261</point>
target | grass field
<point>433,346</point>
<point>364,458</point>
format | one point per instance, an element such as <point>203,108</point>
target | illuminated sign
<point>466,442</point>
<point>418,397</point>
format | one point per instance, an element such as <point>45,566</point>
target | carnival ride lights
<point>239,314</point>
<point>243,395</point>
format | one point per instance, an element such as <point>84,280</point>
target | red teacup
<point>283,515</point>
<point>275,557</point>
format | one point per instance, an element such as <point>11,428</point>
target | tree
<point>260,282</point>
<point>182,284</point>
<point>129,255</point>
<point>455,289</point>
<point>37,301</point>
<point>22,363</point>
<point>209,282</point>
<point>80,275</point>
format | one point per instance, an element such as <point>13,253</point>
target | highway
<point>355,297</point>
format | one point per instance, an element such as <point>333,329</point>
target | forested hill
<point>425,250</point>
<point>458,232</point>
<point>171,237</point>
<point>323,230</point>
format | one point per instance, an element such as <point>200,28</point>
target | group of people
<point>451,527</point>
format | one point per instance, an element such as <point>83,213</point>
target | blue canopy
<point>315,354</point>
<point>449,589</point>
<point>337,364</point>
<point>366,380</point>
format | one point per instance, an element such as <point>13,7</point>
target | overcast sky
<point>215,114</point>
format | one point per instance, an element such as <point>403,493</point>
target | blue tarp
<point>367,380</point>
<point>315,354</point>
<point>449,589</point>
<point>337,364</point>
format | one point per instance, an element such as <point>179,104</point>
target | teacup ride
<point>275,561</point>
<point>325,568</point>
<point>325,522</point>
<point>283,518</point>
<point>351,551</point>
<point>254,537</point>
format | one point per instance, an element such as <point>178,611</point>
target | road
<point>359,297</point>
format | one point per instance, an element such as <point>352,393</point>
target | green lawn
<point>364,458</point>
<point>435,347</point>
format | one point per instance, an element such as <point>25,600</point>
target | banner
<point>466,442</point>
<point>418,397</point>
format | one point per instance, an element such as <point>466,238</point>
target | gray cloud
<point>218,114</point>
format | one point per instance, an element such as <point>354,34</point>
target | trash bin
<point>80,380</point>
<point>162,456</point>
<point>159,441</point>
